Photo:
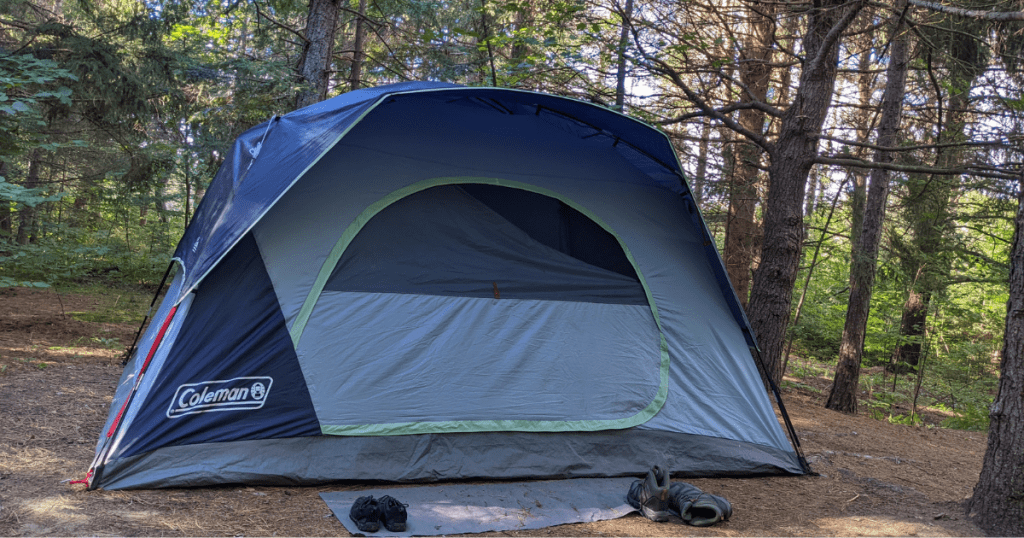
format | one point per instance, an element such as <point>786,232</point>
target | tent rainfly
<point>426,281</point>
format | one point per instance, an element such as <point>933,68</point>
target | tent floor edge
<point>486,455</point>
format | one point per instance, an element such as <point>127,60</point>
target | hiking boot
<point>392,513</point>
<point>366,514</point>
<point>696,507</point>
<point>650,495</point>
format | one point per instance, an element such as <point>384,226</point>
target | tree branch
<point>995,143</point>
<point>911,169</point>
<point>755,105</point>
<point>1001,16</point>
<point>833,35</point>
<point>261,13</point>
<point>659,66</point>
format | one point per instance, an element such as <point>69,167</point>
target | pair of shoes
<point>368,513</point>
<point>696,507</point>
<point>651,495</point>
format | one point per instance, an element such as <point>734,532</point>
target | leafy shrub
<point>972,417</point>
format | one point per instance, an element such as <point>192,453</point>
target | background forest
<point>862,148</point>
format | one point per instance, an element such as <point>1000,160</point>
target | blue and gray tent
<point>424,282</point>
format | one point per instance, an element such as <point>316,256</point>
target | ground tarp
<point>504,506</point>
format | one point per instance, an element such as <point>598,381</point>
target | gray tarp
<point>505,506</point>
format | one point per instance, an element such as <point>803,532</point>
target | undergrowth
<point>964,402</point>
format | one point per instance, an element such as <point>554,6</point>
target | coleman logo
<point>227,395</point>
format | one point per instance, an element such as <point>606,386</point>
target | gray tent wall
<point>666,379</point>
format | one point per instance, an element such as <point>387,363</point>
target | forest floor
<point>60,362</point>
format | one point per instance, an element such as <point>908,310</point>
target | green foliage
<point>964,332</point>
<point>971,417</point>
<point>109,343</point>
<point>8,282</point>
<point>27,85</point>
<point>73,255</point>
<point>907,420</point>
<point>17,194</point>
<point>803,386</point>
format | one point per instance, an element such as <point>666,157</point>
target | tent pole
<point>112,433</point>
<point>794,440</point>
<point>131,349</point>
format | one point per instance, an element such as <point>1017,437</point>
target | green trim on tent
<point>410,428</point>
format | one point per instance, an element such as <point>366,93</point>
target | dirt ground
<point>57,378</point>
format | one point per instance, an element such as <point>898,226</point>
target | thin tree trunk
<point>843,397</point>
<point>161,200</point>
<point>792,157</point>
<point>620,74</point>
<point>188,192</point>
<point>358,44</point>
<point>700,175</point>
<point>5,210</point>
<point>997,504</point>
<point>812,194</point>
<point>912,326</point>
<point>487,42</point>
<point>315,64</point>
<point>860,186</point>
<point>27,214</point>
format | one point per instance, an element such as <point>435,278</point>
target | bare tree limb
<point>658,66</point>
<point>1001,16</point>
<point>983,143</point>
<point>275,22</point>
<point>755,105</point>
<point>911,169</point>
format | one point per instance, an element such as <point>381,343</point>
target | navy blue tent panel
<point>237,346</point>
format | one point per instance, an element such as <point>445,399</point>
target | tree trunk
<point>487,42</point>
<point>700,175</point>
<point>860,186</point>
<point>843,397</point>
<point>741,227</point>
<point>315,64</point>
<point>188,192</point>
<point>812,194</point>
<point>912,325</point>
<point>27,214</point>
<point>620,73</point>
<point>358,46</point>
<point>5,210</point>
<point>997,504</point>
<point>792,157</point>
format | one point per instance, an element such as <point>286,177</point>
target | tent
<point>425,281</point>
